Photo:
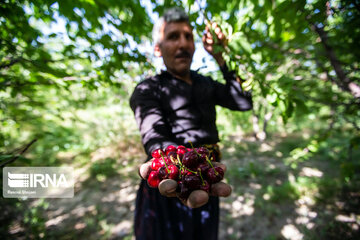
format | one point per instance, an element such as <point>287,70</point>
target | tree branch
<point>353,123</point>
<point>17,156</point>
<point>12,62</point>
<point>345,82</point>
<point>329,77</point>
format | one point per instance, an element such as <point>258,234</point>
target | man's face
<point>176,47</point>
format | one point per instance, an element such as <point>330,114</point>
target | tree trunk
<point>267,118</point>
<point>259,134</point>
<point>345,82</point>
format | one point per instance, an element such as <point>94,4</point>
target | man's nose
<point>183,41</point>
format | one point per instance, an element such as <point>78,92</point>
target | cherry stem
<point>178,158</point>
<point>190,170</point>
<point>172,159</point>
<point>181,165</point>
<point>207,159</point>
<point>202,180</point>
<point>192,146</point>
<point>164,162</point>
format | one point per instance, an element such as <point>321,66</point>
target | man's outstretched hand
<point>213,39</point>
<point>196,198</point>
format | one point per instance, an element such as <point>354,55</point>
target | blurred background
<point>68,68</point>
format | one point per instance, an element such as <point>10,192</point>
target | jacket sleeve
<point>154,130</point>
<point>231,95</point>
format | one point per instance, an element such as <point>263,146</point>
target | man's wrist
<point>220,61</point>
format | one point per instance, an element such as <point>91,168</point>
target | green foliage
<point>41,64</point>
<point>67,69</point>
<point>34,221</point>
<point>283,192</point>
<point>103,168</point>
<point>328,228</point>
<point>274,46</point>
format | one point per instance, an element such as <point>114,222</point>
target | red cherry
<point>174,172</point>
<point>170,148</point>
<point>196,172</point>
<point>157,153</point>
<point>153,179</point>
<point>168,160</point>
<point>181,150</point>
<point>205,186</point>
<point>171,172</point>
<point>181,147</point>
<point>157,163</point>
<point>185,172</point>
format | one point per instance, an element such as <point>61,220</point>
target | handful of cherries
<point>192,168</point>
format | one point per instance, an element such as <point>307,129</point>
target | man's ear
<point>157,51</point>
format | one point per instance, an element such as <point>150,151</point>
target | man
<point>173,108</point>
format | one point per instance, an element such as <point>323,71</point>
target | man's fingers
<point>145,170</point>
<point>217,30</point>
<point>218,34</point>
<point>217,164</point>
<point>220,189</point>
<point>168,187</point>
<point>197,199</point>
<point>221,36</point>
<point>213,25</point>
<point>209,41</point>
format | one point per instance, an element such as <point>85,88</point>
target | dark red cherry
<point>183,190</point>
<point>172,156</point>
<point>163,172</point>
<point>192,181</point>
<point>215,175</point>
<point>205,186</point>
<point>203,150</point>
<point>190,159</point>
<point>203,154</point>
<point>186,172</point>
<point>203,168</point>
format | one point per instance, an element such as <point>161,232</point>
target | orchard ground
<point>274,196</point>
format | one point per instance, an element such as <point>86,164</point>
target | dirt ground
<point>268,200</point>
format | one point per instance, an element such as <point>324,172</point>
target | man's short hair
<point>175,14</point>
